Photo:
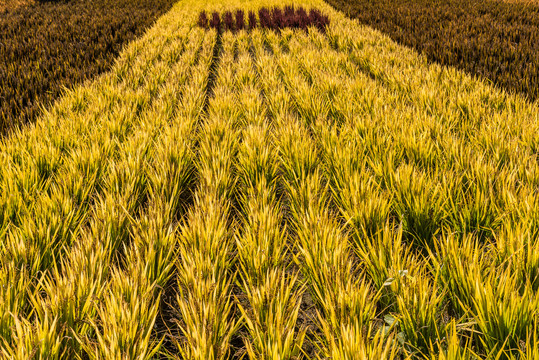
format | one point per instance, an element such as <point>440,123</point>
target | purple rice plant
<point>314,16</point>
<point>203,19</point>
<point>325,22</point>
<point>215,21</point>
<point>252,20</point>
<point>289,14</point>
<point>240,20</point>
<point>317,19</point>
<point>277,18</point>
<point>302,19</point>
<point>228,21</point>
<point>264,16</point>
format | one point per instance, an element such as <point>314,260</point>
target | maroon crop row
<point>274,18</point>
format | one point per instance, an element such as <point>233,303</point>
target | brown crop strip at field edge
<point>52,45</point>
<point>497,40</point>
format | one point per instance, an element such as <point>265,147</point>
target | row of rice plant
<point>275,18</point>
<point>272,300</point>
<point>204,302</point>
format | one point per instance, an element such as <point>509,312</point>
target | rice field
<point>272,194</point>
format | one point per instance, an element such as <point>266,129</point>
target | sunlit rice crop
<point>272,194</point>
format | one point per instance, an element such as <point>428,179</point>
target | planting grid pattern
<point>273,195</point>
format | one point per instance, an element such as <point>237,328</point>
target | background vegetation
<point>496,40</point>
<point>50,45</point>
